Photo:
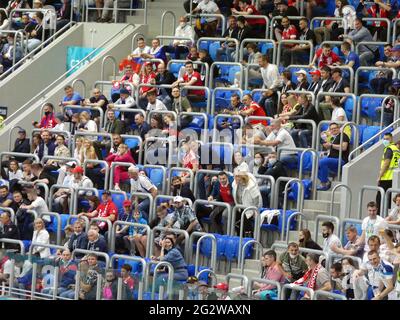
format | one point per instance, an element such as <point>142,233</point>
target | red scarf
<point>310,276</point>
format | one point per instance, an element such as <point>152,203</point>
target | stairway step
<point>326,195</point>
<point>249,273</point>
<point>322,205</point>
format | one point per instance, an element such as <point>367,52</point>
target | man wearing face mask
<point>389,162</point>
<point>181,47</point>
<point>330,239</point>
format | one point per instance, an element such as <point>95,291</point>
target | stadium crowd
<point>87,150</point>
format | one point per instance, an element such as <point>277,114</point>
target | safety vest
<point>394,162</point>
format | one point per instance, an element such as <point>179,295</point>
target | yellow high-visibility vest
<point>394,162</point>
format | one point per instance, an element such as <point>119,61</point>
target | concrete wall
<point>363,170</point>
<point>89,73</point>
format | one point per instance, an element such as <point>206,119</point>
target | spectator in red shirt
<point>147,76</point>
<point>221,192</point>
<point>325,57</point>
<point>289,32</point>
<point>380,9</point>
<point>247,9</point>
<point>107,209</point>
<point>127,277</point>
<point>120,172</point>
<point>48,121</point>
<point>252,108</point>
<point>191,78</point>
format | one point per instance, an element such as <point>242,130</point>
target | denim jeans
<point>326,164</point>
<point>301,137</point>
<point>290,159</point>
<point>69,294</point>
<point>143,208</point>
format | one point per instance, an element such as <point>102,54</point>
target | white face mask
<point>219,294</point>
<point>385,142</point>
<point>292,256</point>
<point>182,24</point>
<point>347,269</point>
<point>299,79</point>
<point>257,161</point>
<point>272,161</point>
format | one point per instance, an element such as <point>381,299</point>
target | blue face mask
<point>385,142</point>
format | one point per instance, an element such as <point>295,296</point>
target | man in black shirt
<point>43,176</point>
<point>331,161</point>
<point>8,230</point>
<point>164,77</point>
<point>301,52</point>
<point>340,84</point>
<point>228,47</point>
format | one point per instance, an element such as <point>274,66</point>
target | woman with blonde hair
<point>78,147</point>
<point>291,107</point>
<point>87,151</point>
<point>87,125</point>
<point>120,172</point>
<point>40,235</point>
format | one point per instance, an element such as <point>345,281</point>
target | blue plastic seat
<point>213,48</point>
<point>368,133</point>
<point>131,142</point>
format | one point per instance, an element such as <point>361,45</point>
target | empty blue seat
<point>368,133</point>
<point>213,48</point>
<point>132,142</point>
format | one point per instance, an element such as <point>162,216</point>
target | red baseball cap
<point>316,72</point>
<point>78,170</point>
<point>126,203</point>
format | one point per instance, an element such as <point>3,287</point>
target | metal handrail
<point>170,281</point>
<point>131,224</point>
<point>259,40</point>
<point>300,196</point>
<point>388,193</point>
<point>226,64</point>
<point>210,15</point>
<point>214,96</point>
<point>243,249</point>
<point>103,63</point>
<point>395,23</point>
<point>278,55</point>
<point>271,181</point>
<point>384,97</point>
<point>272,22</point>
<point>75,202</point>
<point>163,20</point>
<point>166,144</point>
<point>81,82</point>
<point>224,40</point>
<point>115,9</point>
<point>327,294</point>
<point>218,204</point>
<point>361,195</point>
<point>172,230</point>
<point>291,286</point>
<point>210,272</point>
<point>334,189</point>
<point>353,154</point>
<point>97,253</point>
<point>343,224</point>
<point>338,94</point>
<point>256,232</point>
<point>106,166</point>
<point>323,19</point>
<point>201,63</point>
<point>18,154</point>
<point>44,245</point>
<point>187,170</point>
<point>60,159</point>
<point>37,49</point>
<point>109,227</point>
<point>84,108</point>
<point>383,20</point>
<point>52,192</point>
<point>245,279</point>
<point>266,281</point>
<point>326,218</point>
<point>64,75</point>
<point>196,114</point>
<point>228,116</point>
<point>205,171</point>
<point>202,236</point>
<point>289,220</point>
<point>58,218</point>
<point>11,212</point>
<point>14,241</point>
<point>363,68</point>
<point>115,164</point>
<point>144,269</point>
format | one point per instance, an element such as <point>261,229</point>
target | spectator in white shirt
<point>141,183</point>
<point>124,101</point>
<point>153,103</point>
<point>181,47</point>
<point>40,235</point>
<point>141,48</point>
<point>271,83</point>
<point>338,113</point>
<point>87,125</point>
<point>329,238</point>
<point>209,28</point>
<point>371,224</point>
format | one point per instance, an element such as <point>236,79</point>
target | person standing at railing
<point>379,9</point>
<point>389,162</point>
<point>209,26</point>
<point>7,53</point>
<point>331,161</point>
<point>181,47</point>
